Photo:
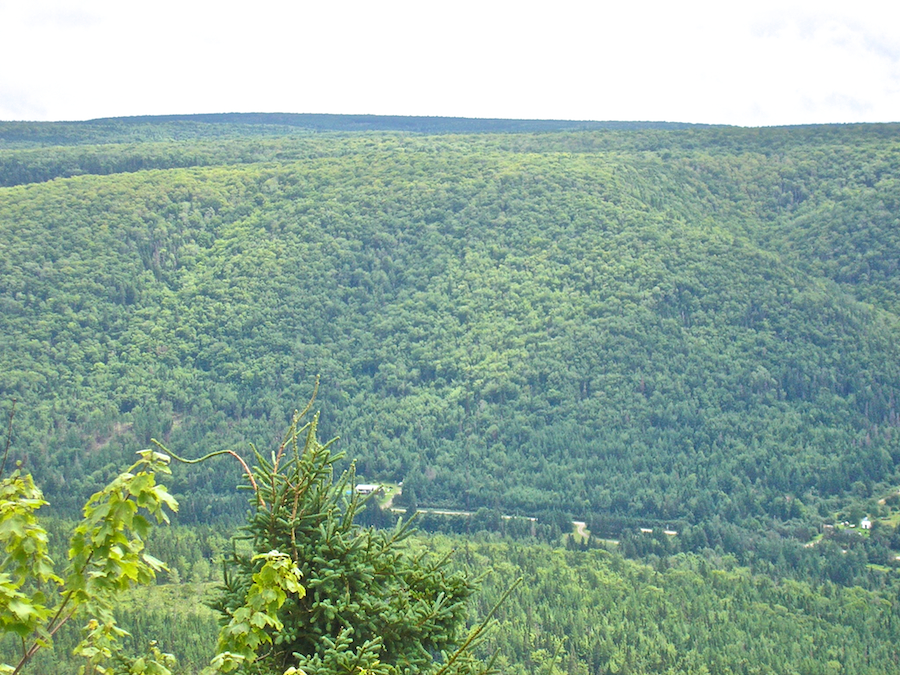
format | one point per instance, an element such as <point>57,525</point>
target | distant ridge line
<point>421,124</point>
<point>652,136</point>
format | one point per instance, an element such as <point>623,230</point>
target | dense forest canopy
<point>652,328</point>
<point>650,324</point>
<point>232,125</point>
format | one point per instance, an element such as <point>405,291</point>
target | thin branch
<point>53,626</point>
<point>51,631</point>
<point>8,437</point>
<point>292,431</point>
<point>476,633</point>
<point>311,399</point>
<point>240,459</point>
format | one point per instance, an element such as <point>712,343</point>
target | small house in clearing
<point>368,488</point>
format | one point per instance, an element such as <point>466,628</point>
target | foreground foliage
<point>368,603</point>
<point>315,594</point>
<point>106,558</point>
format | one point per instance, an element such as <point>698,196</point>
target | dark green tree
<point>373,602</point>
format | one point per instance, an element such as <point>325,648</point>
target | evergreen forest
<point>683,337</point>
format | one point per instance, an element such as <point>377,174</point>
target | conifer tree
<point>370,602</point>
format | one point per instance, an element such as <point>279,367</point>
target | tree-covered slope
<point>658,325</point>
<point>231,125</point>
<point>582,612</point>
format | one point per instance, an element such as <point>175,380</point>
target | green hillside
<point>595,612</point>
<point>633,326</point>
<point>234,125</point>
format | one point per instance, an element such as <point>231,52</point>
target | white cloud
<point>762,63</point>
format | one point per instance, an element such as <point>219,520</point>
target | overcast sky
<point>746,63</point>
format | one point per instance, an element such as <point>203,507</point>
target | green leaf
<point>155,563</point>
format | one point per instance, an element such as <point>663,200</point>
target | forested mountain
<point>634,326</point>
<point>234,125</point>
